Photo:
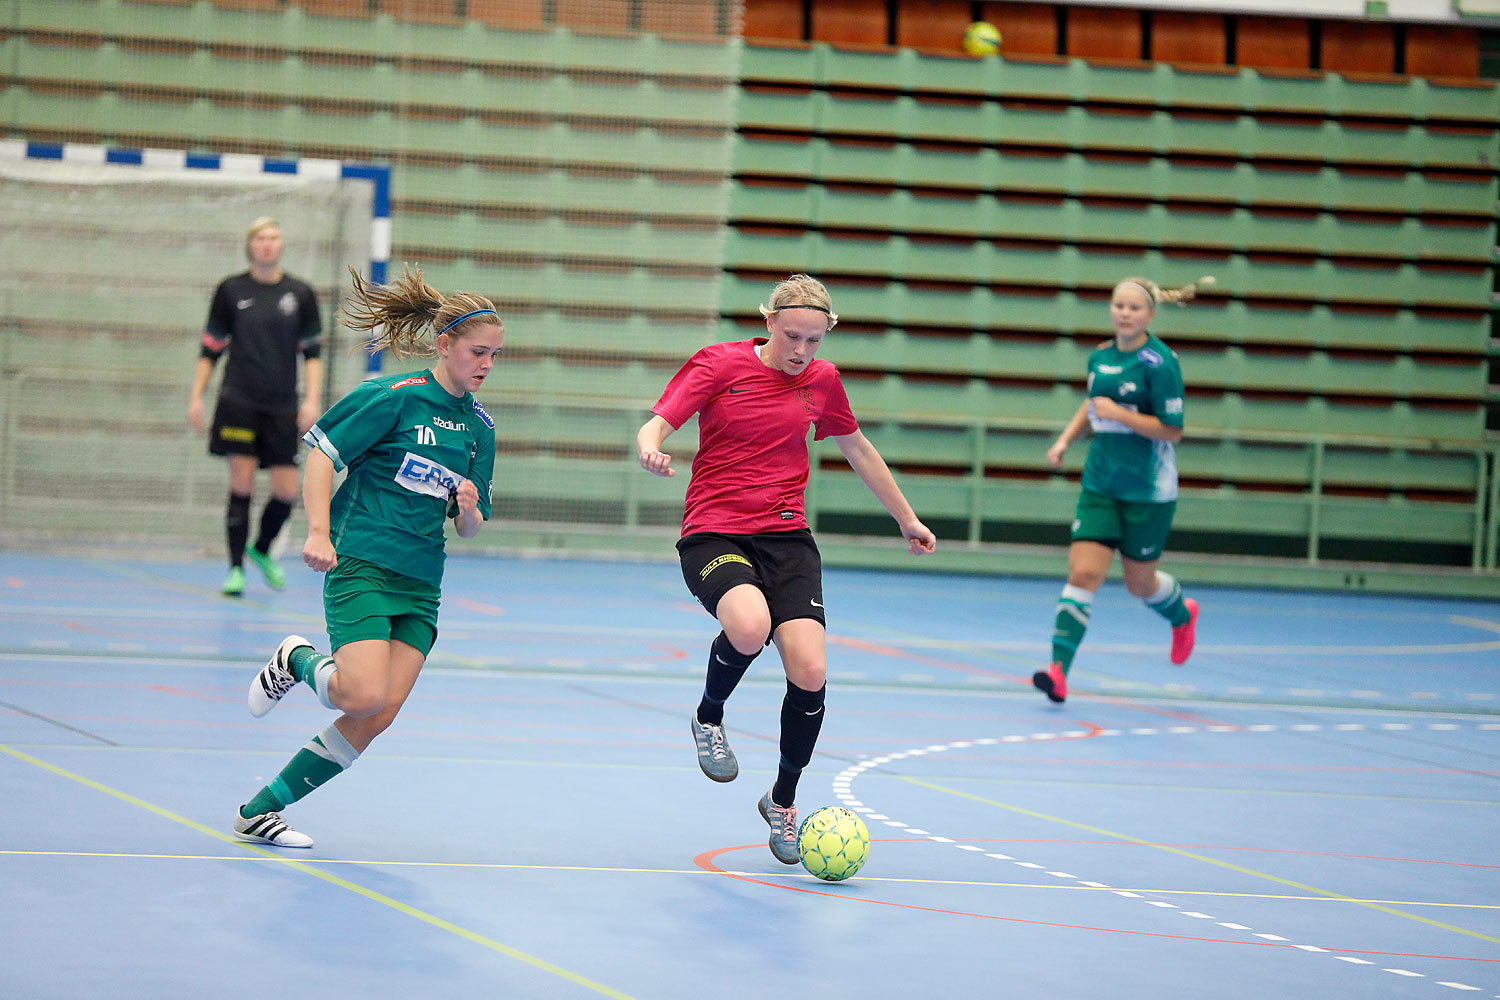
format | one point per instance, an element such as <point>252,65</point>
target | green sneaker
<point>234,583</point>
<point>269,568</point>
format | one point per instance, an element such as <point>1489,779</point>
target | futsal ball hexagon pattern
<point>833,843</point>
<point>981,39</point>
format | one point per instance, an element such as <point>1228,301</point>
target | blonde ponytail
<point>404,317</point>
<point>1179,295</point>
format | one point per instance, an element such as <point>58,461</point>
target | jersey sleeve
<point>218,329</point>
<point>482,472</point>
<point>482,465</point>
<point>692,386</point>
<point>355,423</point>
<point>837,418</point>
<point>310,337</point>
<point>1167,391</point>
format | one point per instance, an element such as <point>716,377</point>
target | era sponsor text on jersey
<point>420,475</point>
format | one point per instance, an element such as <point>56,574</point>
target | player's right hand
<point>658,463</point>
<point>1055,454</point>
<point>195,414</point>
<point>319,554</point>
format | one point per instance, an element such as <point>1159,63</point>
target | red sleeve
<point>837,418</point>
<point>692,386</point>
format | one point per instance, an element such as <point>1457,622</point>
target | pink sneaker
<point>1183,636</point>
<point>1052,682</point>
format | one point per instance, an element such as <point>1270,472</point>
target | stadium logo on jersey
<point>288,304</point>
<point>488,421</point>
<point>414,380</point>
<point>1126,388</point>
<point>1172,405</point>
<point>1110,369</point>
<point>429,478</point>
<point>448,425</point>
<point>1150,357</point>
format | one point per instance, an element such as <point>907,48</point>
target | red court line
<point>901,654</point>
<point>184,693</point>
<point>932,661</point>
<point>1152,709</point>
<point>469,604</point>
<point>707,860</point>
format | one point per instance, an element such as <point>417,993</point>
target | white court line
<point>844,778</point>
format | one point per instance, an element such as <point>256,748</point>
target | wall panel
<point>1025,28</point>
<point>1188,38</point>
<point>1273,43</point>
<point>863,22</point>
<point>1104,32</point>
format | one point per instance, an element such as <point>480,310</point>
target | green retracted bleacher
<point>579,179</point>
<point>971,216</point>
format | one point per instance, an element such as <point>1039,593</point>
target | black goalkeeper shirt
<point>263,327</point>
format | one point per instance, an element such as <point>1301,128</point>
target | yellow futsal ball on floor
<point>833,842</point>
<point>981,39</point>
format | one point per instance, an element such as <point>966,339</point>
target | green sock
<point>1071,622</point>
<point>302,660</point>
<point>1167,601</point>
<point>314,669</point>
<point>325,756</point>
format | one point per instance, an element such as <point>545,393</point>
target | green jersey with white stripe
<point>407,443</point>
<point>1121,463</point>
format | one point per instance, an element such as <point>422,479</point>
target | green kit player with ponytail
<point>1134,408</point>
<point>419,449</point>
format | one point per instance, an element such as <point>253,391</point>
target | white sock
<point>1166,587</point>
<point>319,678</point>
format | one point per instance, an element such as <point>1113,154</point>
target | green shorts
<point>1138,530</point>
<point>365,601</point>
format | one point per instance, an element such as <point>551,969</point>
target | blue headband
<point>468,315</point>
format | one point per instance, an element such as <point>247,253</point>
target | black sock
<point>237,527</point>
<point>801,719</point>
<point>726,665</point>
<point>271,521</point>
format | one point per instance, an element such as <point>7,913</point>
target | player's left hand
<point>1106,408</point>
<point>467,498</point>
<point>919,538</point>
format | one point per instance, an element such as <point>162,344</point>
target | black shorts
<point>269,435</point>
<point>785,565</point>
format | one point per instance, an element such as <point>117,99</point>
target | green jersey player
<point>419,450</point>
<point>1134,408</point>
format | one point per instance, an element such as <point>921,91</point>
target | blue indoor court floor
<point>1308,808</point>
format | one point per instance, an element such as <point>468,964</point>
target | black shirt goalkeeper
<point>263,327</point>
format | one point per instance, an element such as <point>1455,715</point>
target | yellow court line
<point>1199,857</point>
<point>370,894</point>
<point>196,590</point>
<point>609,870</point>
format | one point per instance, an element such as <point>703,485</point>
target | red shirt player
<point>747,553</point>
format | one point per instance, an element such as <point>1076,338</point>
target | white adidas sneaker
<point>275,679</point>
<point>269,828</point>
